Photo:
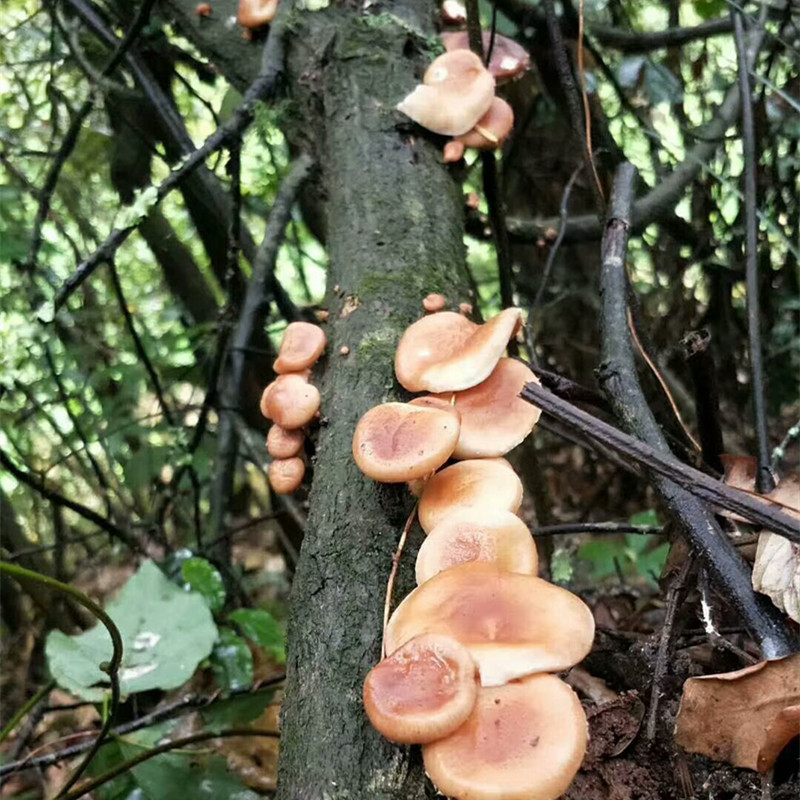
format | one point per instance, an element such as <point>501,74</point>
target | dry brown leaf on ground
<point>776,572</point>
<point>740,473</point>
<point>741,717</point>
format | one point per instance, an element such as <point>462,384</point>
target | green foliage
<point>232,661</point>
<point>166,633</point>
<point>261,627</point>
<point>236,711</point>
<point>202,577</point>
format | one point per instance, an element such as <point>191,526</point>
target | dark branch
<point>765,481</point>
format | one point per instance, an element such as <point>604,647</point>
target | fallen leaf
<point>776,572</point>
<point>726,717</point>
<point>740,473</point>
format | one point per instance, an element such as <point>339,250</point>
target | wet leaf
<point>166,633</point>
<point>776,572</point>
<point>726,717</point>
<point>263,629</point>
<point>232,661</point>
<point>236,711</point>
<point>202,577</point>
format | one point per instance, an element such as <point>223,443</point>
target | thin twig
<point>387,606</point>
<point>111,669</point>
<point>262,89</point>
<point>765,480</point>
<point>749,506</point>
<point>23,712</point>
<point>608,528</point>
<point>71,137</point>
<point>779,453</point>
<point>674,594</point>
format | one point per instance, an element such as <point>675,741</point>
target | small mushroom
<point>523,741</point>
<point>254,14</point>
<point>425,690</point>
<point>453,12</point>
<point>509,60</point>
<point>291,401</point>
<point>492,129</point>
<point>446,352</point>
<point>513,625</point>
<point>456,91</point>
<point>301,347</point>
<point>284,444</point>
<point>490,536</point>
<point>286,474</point>
<point>494,419</point>
<point>475,483</point>
<point>397,442</point>
<point>434,302</point>
<point>264,404</point>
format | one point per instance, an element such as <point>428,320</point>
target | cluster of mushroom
<point>470,652</point>
<point>292,402</point>
<point>457,94</point>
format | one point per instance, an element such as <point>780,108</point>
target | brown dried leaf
<point>740,473</point>
<point>776,572</point>
<point>726,717</point>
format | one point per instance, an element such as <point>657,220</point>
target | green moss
<point>378,347</point>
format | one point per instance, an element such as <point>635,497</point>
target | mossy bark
<point>393,220</point>
<point>394,233</point>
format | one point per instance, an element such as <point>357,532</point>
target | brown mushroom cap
<point>512,625</point>
<point>478,534</point>
<point>483,483</point>
<point>494,419</point>
<point>291,402</point>
<point>456,91</point>
<point>446,352</point>
<point>423,691</point>
<point>255,13</point>
<point>284,444</point>
<point>301,347</point>
<point>492,129</point>
<point>509,59</point>
<point>523,741</point>
<point>453,151</point>
<point>434,302</point>
<point>396,442</point>
<point>286,474</point>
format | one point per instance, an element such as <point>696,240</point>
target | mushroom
<point>284,444</point>
<point>489,133</point>
<point>482,483</point>
<point>523,741</point>
<point>456,91</point>
<point>453,12</point>
<point>424,691</point>
<point>513,625</point>
<point>494,419</point>
<point>509,60</point>
<point>286,474</point>
<point>291,401</point>
<point>301,347</point>
<point>447,352</point>
<point>396,442</point>
<point>256,13</point>
<point>478,534</point>
<point>434,302</point>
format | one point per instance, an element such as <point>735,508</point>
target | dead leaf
<point>780,732</point>
<point>740,473</point>
<point>726,717</point>
<point>776,572</point>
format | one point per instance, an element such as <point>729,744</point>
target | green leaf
<point>202,577</point>
<point>232,661</point>
<point>260,626</point>
<point>166,633</point>
<point>236,711</point>
<point>649,517</point>
<point>106,758</point>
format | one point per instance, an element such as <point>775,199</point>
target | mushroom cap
<point>284,444</point>
<point>494,418</point>
<point>397,442</point>
<point>456,91</point>
<point>523,741</point>
<point>482,482</point>
<point>423,691</point>
<point>453,151</point>
<point>453,12</point>
<point>291,402</point>
<point>446,352</point>
<point>509,59</point>
<point>434,302</point>
<point>487,535</point>
<point>301,347</point>
<point>286,474</point>
<point>255,13</point>
<point>492,129</point>
<point>512,625</point>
